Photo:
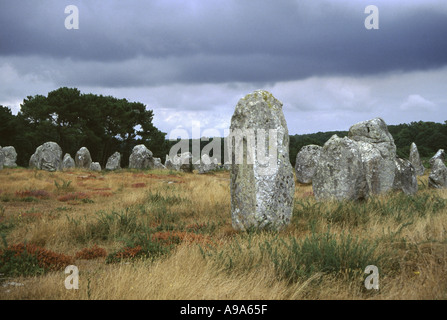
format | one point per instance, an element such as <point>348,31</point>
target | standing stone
<point>169,164</point>
<point>83,158</point>
<point>10,157</point>
<point>47,157</point>
<point>114,162</point>
<point>141,158</point>
<point>206,164</point>
<point>439,155</point>
<point>158,164</point>
<point>438,175</point>
<point>262,187</point>
<point>306,162</point>
<point>405,178</point>
<point>2,158</point>
<point>68,162</point>
<point>378,153</point>
<point>340,173</point>
<point>415,160</point>
<point>95,166</point>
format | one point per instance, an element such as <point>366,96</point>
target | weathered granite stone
<point>438,175</point>
<point>180,162</point>
<point>158,164</point>
<point>68,162</point>
<point>405,178</point>
<point>95,166</point>
<point>439,155</point>
<point>306,161</point>
<point>415,160</point>
<point>83,158</point>
<point>114,162</point>
<point>169,164</point>
<point>378,153</point>
<point>2,158</point>
<point>141,158</point>
<point>10,156</point>
<point>47,157</point>
<point>206,164</point>
<point>262,187</point>
<point>340,172</point>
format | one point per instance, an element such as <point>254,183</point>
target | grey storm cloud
<point>131,43</point>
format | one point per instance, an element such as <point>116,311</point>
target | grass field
<point>168,235</point>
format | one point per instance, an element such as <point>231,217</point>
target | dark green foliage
<point>103,124</point>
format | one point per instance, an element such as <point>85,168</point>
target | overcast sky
<point>191,61</point>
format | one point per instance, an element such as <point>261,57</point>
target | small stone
<point>95,166</point>
<point>83,158</point>
<point>68,162</point>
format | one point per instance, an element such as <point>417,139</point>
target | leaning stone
<point>439,155</point>
<point>306,161</point>
<point>262,187</point>
<point>141,158</point>
<point>114,162</point>
<point>415,160</point>
<point>405,178</point>
<point>68,162</point>
<point>83,158</point>
<point>379,164</point>
<point>10,156</point>
<point>47,157</point>
<point>95,166</point>
<point>340,173</point>
<point>438,175</point>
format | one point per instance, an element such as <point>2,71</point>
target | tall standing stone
<point>2,158</point>
<point>405,178</point>
<point>262,184</point>
<point>378,152</point>
<point>339,174</point>
<point>10,156</point>
<point>306,162</point>
<point>415,160</point>
<point>83,158</point>
<point>47,157</point>
<point>114,162</point>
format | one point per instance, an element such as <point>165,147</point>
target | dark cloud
<point>128,43</point>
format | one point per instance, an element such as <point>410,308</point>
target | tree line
<point>105,124</point>
<point>102,124</point>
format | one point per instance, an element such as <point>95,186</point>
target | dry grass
<point>84,215</point>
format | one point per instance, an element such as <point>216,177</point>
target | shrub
<point>30,260</point>
<point>40,194</point>
<point>91,253</point>
<point>73,196</point>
